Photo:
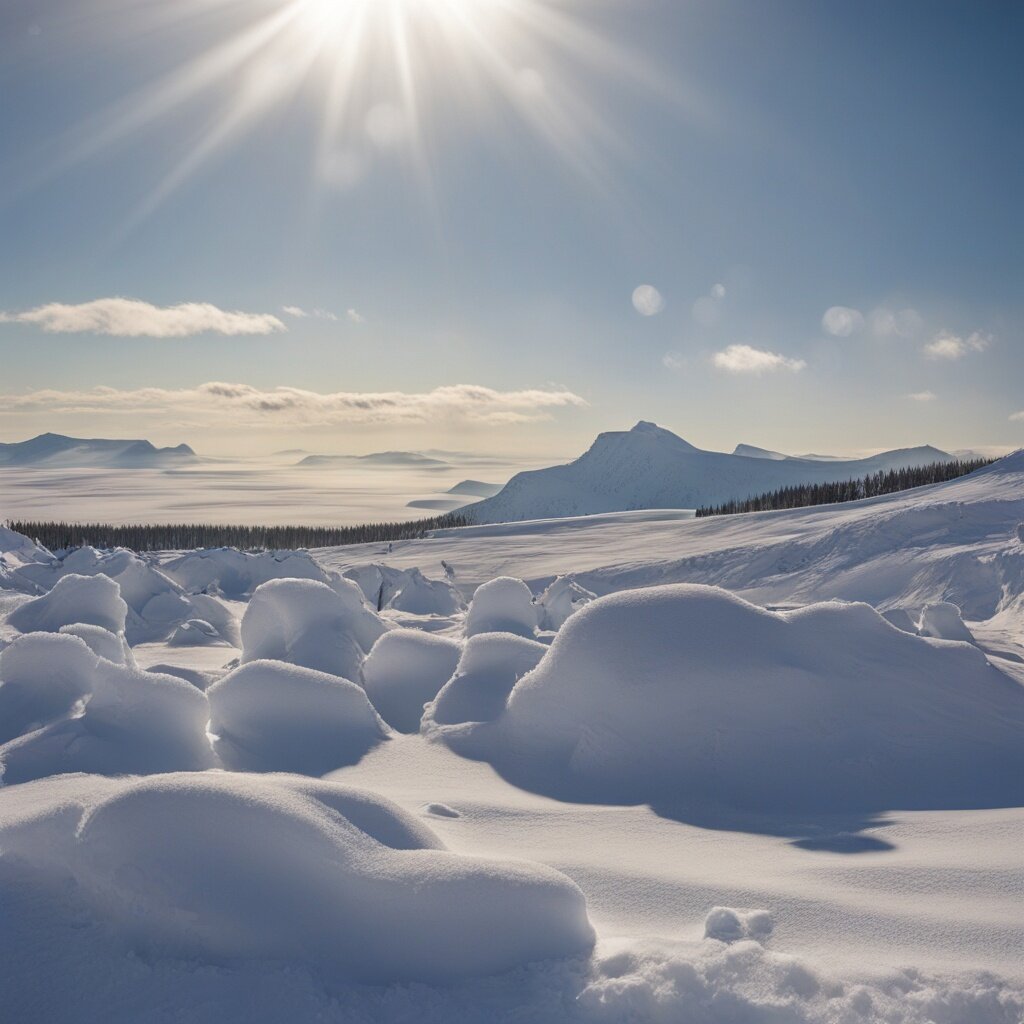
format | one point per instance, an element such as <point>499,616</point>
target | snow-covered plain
<point>696,777</point>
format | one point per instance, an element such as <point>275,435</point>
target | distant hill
<point>59,451</point>
<point>650,467</point>
<point>475,489</point>
<point>413,459</point>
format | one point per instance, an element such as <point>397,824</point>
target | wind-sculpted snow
<point>308,623</point>
<point>92,600</point>
<point>236,574</point>
<point>687,695</point>
<point>490,666</point>
<point>502,605</point>
<point>560,599</point>
<point>234,868</point>
<point>404,671</point>
<point>72,711</point>
<point>270,716</point>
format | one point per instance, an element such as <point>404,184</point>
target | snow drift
<point>686,693</point>
<point>236,867</point>
<point>270,716</point>
<point>307,623</point>
<point>91,600</point>
<point>502,605</point>
<point>404,671</point>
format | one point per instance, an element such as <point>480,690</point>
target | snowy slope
<point>56,450</point>
<point>650,467</point>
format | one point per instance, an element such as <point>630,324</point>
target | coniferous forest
<point>888,482</point>
<point>187,536</point>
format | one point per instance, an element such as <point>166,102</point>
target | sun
<point>384,78</point>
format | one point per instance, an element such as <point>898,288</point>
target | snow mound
<point>269,716</point>
<point>503,605</point>
<point>421,596</point>
<point>943,621</point>
<point>560,599</point>
<point>404,671</point>
<point>101,642</point>
<point>729,925</point>
<point>236,574</point>
<point>490,666</point>
<point>91,600</point>
<point>42,677</point>
<point>196,633</point>
<point>901,619</point>
<point>237,867</point>
<point>308,623</point>
<point>685,693</point>
<point>133,722</point>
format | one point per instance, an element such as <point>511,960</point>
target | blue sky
<point>466,239</point>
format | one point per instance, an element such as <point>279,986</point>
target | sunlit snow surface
<point>783,815</point>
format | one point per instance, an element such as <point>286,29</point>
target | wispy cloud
<point>746,359</point>
<point>301,314</point>
<point>673,360</point>
<point>842,321</point>
<point>708,308</point>
<point>132,318</point>
<point>1017,417</point>
<point>922,396</point>
<point>356,317</point>
<point>242,404</point>
<point>946,345</point>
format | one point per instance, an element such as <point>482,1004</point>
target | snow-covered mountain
<point>394,459</point>
<point>650,467</point>
<point>58,451</point>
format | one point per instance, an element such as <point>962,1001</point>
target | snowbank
<point>560,599</point>
<point>269,716</point>
<point>943,621</point>
<point>92,600</point>
<point>404,671</point>
<point>233,867</point>
<point>420,596</point>
<point>308,623</point>
<point>133,722</point>
<point>236,574</point>
<point>490,666</point>
<point>101,642</point>
<point>691,695</point>
<point>196,633</point>
<point>503,605</point>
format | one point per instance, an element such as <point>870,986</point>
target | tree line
<point>870,486</point>
<point>58,536</point>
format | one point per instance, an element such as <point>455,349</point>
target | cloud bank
<point>132,318</point>
<point>746,359</point>
<point>241,404</point>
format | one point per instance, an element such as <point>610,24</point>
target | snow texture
<point>503,605</point>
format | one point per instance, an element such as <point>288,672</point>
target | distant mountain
<point>750,452</point>
<point>650,467</point>
<point>475,489</point>
<point>58,451</point>
<point>408,459</point>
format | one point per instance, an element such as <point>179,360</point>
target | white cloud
<point>718,291</point>
<point>673,360</point>
<point>746,359</point>
<point>922,396</point>
<point>355,316</point>
<point>132,318</point>
<point>842,321</point>
<point>946,345</point>
<point>647,300</point>
<point>296,311</point>
<point>241,404</point>
<point>1017,416</point>
<point>299,312</point>
<point>895,323</point>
